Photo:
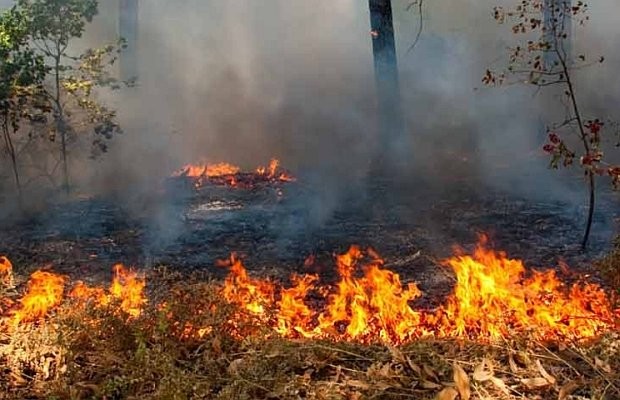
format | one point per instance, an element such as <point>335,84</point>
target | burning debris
<point>224,174</point>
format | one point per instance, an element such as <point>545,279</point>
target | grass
<point>609,268</point>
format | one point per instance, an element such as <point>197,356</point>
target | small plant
<point>543,59</point>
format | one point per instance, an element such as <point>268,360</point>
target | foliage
<point>58,21</point>
<point>39,34</point>
<point>543,59</point>
<point>22,72</point>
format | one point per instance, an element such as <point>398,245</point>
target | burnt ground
<point>276,228</point>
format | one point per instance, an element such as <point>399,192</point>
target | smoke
<point>240,81</point>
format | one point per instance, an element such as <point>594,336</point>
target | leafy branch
<point>543,60</point>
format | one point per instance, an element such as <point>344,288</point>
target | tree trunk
<point>6,132</point>
<point>394,144</point>
<point>60,125</point>
<point>128,30</point>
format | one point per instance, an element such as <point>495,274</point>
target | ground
<point>178,236</point>
<point>277,227</point>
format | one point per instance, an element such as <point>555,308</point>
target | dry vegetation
<point>84,350</point>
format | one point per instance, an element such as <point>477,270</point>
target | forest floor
<point>175,242</point>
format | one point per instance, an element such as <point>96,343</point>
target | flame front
<point>494,298</point>
<point>231,175</point>
<point>372,307</point>
<point>45,291</point>
<point>127,289</point>
<point>207,170</point>
<point>253,295</point>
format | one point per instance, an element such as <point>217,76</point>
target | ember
<point>225,174</point>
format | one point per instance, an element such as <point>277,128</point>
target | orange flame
<point>374,306</point>
<point>127,288</point>
<point>45,291</point>
<point>208,170</point>
<point>231,175</point>
<point>253,295</point>
<point>493,299</point>
<point>6,271</point>
<point>294,315</point>
<point>271,172</point>
<point>86,294</point>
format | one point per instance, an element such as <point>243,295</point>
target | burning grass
<point>224,174</point>
<point>503,333</point>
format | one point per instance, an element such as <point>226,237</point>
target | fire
<point>127,289</point>
<point>270,171</point>
<point>494,298</point>
<point>6,271</point>
<point>294,315</point>
<point>86,294</point>
<point>207,170</point>
<point>45,292</point>
<point>231,175</point>
<point>375,306</point>
<point>253,295</point>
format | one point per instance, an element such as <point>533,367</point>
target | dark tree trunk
<point>393,137</point>
<point>128,30</point>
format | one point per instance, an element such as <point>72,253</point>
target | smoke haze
<point>242,81</point>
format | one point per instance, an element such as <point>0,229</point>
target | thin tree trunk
<point>391,122</point>
<point>11,150</point>
<point>563,57</point>
<point>60,126</point>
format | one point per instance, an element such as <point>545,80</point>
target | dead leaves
<point>484,373</point>
<point>535,383</point>
<point>462,382</point>
<point>461,389</point>
<point>567,389</point>
<point>447,394</point>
